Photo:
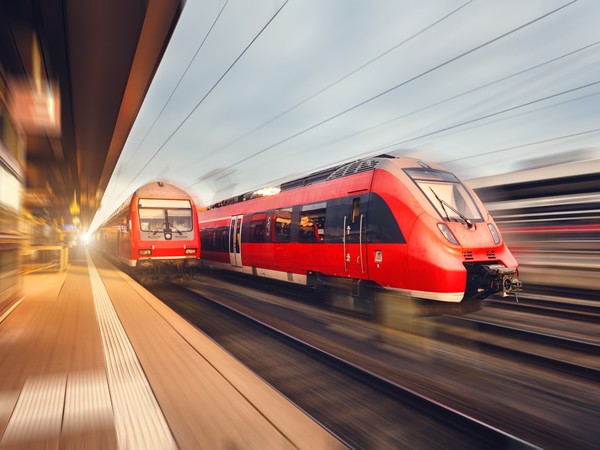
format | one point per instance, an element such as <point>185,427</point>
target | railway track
<point>548,408</point>
<point>361,407</point>
<point>577,357</point>
<point>543,305</point>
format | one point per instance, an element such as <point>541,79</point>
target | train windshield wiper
<point>444,203</point>
<point>441,203</point>
<point>164,228</point>
<point>173,228</point>
<point>167,226</point>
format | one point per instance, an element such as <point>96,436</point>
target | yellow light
<point>267,191</point>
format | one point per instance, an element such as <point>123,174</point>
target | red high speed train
<point>154,234</point>
<point>393,223</point>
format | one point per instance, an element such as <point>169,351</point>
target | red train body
<point>154,234</point>
<point>396,223</point>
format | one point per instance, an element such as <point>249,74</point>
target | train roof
<point>333,173</point>
<point>155,189</point>
<point>160,189</point>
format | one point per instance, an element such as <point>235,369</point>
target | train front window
<point>180,219</point>
<point>160,215</point>
<point>447,194</point>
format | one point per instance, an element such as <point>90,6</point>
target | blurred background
<point>248,96</point>
<point>226,97</point>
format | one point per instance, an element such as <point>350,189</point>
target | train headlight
<point>144,252</point>
<point>494,233</point>
<point>190,251</point>
<point>447,233</point>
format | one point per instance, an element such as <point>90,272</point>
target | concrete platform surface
<point>90,359</point>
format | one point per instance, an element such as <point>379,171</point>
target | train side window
<point>382,226</point>
<point>355,209</point>
<point>282,225</point>
<point>257,227</point>
<point>224,239</point>
<point>311,225</point>
<point>246,221</point>
<point>215,239</point>
<point>204,238</point>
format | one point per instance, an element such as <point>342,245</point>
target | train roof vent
<point>353,168</point>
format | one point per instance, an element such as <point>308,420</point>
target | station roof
<point>80,70</point>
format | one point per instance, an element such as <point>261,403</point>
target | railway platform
<point>90,359</point>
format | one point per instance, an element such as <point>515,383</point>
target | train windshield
<point>447,194</point>
<point>160,215</point>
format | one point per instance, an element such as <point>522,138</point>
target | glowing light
<point>267,191</point>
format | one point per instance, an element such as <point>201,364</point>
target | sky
<point>252,93</point>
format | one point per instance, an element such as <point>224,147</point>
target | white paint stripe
<point>266,273</point>
<point>38,413</point>
<point>139,421</point>
<point>80,403</point>
<point>8,400</point>
<point>11,309</point>
<point>452,297</point>
<point>87,403</point>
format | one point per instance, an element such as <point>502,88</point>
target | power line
<point>380,150</point>
<point>372,153</point>
<point>514,147</point>
<point>344,77</point>
<point>462,94</point>
<point>178,83</point>
<point>209,92</point>
<point>387,91</point>
<point>487,116</point>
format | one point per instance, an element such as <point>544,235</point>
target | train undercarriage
<point>166,270</point>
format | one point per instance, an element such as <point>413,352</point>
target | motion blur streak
<point>550,216</point>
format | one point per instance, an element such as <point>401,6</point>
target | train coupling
<point>502,280</point>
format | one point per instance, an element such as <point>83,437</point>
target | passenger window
<point>282,222</point>
<point>312,223</point>
<point>215,239</point>
<point>257,227</point>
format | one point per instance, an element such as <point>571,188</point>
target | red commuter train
<point>154,234</point>
<point>393,223</point>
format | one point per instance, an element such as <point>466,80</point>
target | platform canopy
<point>76,74</point>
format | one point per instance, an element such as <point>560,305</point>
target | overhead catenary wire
<point>342,78</point>
<point>397,86</point>
<point>209,92</point>
<point>454,97</point>
<point>499,150</point>
<point>373,152</point>
<point>487,116</point>
<point>528,144</point>
<point>177,85</point>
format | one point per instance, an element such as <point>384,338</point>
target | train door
<point>346,225</point>
<point>235,244</point>
<point>354,239</point>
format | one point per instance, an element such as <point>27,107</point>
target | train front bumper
<point>488,279</point>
